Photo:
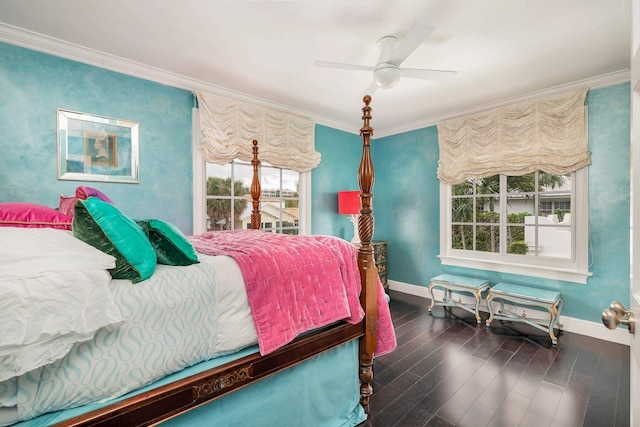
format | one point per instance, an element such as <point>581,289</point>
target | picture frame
<point>97,148</point>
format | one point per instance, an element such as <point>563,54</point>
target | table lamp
<point>349,204</point>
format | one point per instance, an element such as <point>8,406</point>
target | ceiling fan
<point>387,71</point>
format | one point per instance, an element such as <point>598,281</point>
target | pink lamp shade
<point>349,202</point>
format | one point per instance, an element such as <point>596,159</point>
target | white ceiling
<point>502,49</point>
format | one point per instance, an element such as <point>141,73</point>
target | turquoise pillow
<point>171,246</point>
<point>104,227</point>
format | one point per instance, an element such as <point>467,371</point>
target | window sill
<point>543,272</point>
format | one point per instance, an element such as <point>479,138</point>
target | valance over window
<point>546,134</point>
<point>229,126</point>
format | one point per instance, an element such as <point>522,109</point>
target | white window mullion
<point>283,202</point>
<point>304,203</point>
<point>474,224</point>
<point>503,215</point>
<point>232,200</point>
<point>536,213</point>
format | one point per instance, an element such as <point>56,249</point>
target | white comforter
<point>53,294</point>
<point>178,317</point>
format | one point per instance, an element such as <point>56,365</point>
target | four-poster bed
<point>175,397</point>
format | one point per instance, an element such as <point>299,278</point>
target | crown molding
<point>604,80</point>
<point>42,43</point>
<point>50,45</point>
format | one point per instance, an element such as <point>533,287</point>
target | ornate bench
<point>449,283</point>
<point>526,296</point>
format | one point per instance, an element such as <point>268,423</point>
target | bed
<point>259,368</point>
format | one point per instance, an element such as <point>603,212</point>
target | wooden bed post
<point>366,263</point>
<point>255,189</point>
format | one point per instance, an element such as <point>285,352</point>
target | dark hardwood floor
<point>448,371</point>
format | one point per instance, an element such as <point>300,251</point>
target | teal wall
<point>34,85</point>
<point>407,208</point>
<point>338,171</point>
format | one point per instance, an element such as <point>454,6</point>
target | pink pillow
<point>31,215</point>
<point>84,193</point>
<point>66,205</point>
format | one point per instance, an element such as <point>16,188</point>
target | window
<point>228,197</point>
<point>555,206</point>
<point>518,224</point>
<point>546,207</point>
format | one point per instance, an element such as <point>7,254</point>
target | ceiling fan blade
<point>416,35</point>
<point>340,65</point>
<point>424,74</point>
<point>371,88</point>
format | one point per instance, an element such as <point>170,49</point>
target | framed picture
<point>97,148</point>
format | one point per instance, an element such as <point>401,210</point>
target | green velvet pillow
<point>103,226</point>
<point>171,246</point>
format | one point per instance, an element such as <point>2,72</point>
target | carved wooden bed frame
<point>180,396</point>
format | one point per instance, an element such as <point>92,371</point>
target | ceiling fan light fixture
<point>393,52</point>
<point>386,75</point>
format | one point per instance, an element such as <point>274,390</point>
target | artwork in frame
<point>100,149</point>
<point>97,148</point>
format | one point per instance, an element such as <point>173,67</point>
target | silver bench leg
<point>555,321</point>
<point>433,300</point>
<point>478,295</point>
<point>490,306</point>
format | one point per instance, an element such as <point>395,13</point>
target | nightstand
<point>380,257</point>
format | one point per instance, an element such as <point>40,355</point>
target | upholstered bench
<point>526,296</point>
<point>449,283</point>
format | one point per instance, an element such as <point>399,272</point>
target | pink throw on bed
<point>297,283</point>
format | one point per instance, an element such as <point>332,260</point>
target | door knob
<point>616,314</point>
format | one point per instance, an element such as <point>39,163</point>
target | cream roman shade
<point>547,134</point>
<point>228,127</point>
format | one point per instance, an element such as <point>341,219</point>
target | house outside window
<point>229,204</point>
<point>518,224</point>
<point>555,206</point>
<point>546,207</point>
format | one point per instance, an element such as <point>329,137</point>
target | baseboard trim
<point>570,324</point>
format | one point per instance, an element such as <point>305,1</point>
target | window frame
<point>277,226</point>
<point>571,270</point>
<point>200,200</point>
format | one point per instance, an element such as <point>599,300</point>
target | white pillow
<point>31,252</point>
<point>53,293</point>
<point>43,317</point>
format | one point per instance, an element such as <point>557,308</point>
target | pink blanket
<point>297,283</point>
